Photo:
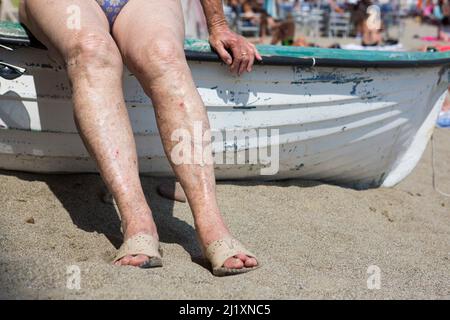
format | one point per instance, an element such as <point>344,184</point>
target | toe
<point>250,262</point>
<point>138,260</point>
<point>242,256</point>
<point>233,263</point>
<point>124,261</point>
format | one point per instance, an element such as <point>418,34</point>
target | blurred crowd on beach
<point>364,19</point>
<point>292,22</point>
<point>437,13</point>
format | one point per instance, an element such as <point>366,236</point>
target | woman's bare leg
<point>150,35</point>
<point>94,65</point>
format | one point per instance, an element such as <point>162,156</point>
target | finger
<point>251,60</point>
<point>245,54</point>
<point>244,64</point>
<point>257,54</point>
<point>223,53</point>
<point>237,59</point>
<point>234,68</point>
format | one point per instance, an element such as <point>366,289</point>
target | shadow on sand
<point>81,196</point>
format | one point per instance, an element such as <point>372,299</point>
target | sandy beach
<point>314,240</point>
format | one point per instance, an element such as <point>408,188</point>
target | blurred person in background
<point>359,15</point>
<point>249,16</point>
<point>372,28</point>
<point>284,31</point>
<point>285,7</point>
<point>442,16</point>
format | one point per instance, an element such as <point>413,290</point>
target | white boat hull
<point>365,128</point>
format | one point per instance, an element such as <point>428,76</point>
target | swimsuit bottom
<point>112,8</point>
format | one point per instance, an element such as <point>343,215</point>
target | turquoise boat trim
<point>12,29</point>
<point>200,50</point>
<point>324,53</point>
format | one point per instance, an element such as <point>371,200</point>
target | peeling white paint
<point>340,125</point>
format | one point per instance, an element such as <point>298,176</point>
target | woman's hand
<point>234,49</point>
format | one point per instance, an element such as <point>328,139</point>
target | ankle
<point>133,223</point>
<point>134,229</point>
<point>210,233</point>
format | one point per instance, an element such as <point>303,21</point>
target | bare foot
<point>214,228</point>
<point>217,231</point>
<point>140,224</point>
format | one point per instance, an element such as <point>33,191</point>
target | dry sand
<point>315,240</point>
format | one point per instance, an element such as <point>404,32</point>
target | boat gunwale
<point>199,50</point>
<point>310,62</point>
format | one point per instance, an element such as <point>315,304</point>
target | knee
<point>93,51</point>
<point>158,59</point>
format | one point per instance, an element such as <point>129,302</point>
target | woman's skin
<point>148,36</point>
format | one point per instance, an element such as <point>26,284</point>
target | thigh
<point>143,25</point>
<point>52,22</point>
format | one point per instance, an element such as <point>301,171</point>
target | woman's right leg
<point>94,66</point>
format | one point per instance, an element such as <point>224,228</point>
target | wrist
<point>218,26</point>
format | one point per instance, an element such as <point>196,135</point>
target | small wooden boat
<point>349,117</point>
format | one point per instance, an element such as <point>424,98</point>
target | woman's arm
<point>232,48</point>
<point>215,16</point>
